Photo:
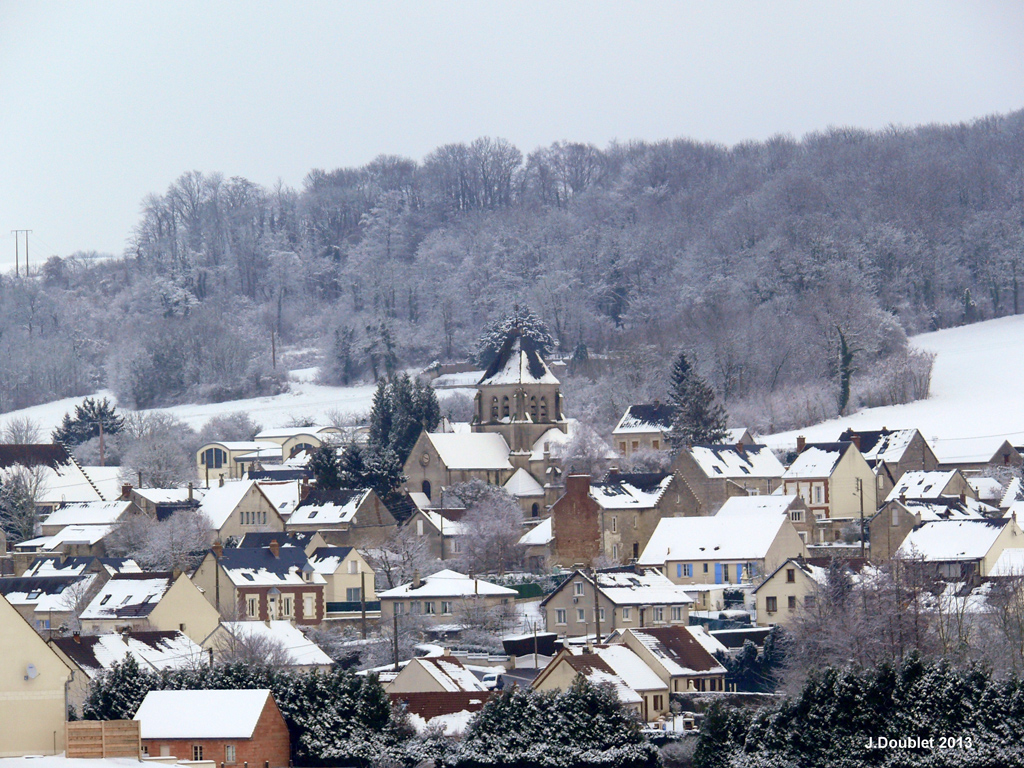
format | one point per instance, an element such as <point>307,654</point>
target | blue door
<point>718,573</point>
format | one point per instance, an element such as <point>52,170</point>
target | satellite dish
<point>31,673</point>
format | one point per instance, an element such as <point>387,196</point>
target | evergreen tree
<point>401,410</point>
<point>699,418</point>
<point>325,464</point>
<point>117,694</point>
<point>521,317</point>
<point>85,424</point>
<point>365,467</point>
<point>343,366</point>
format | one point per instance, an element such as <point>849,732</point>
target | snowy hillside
<point>976,402</point>
<point>304,400</point>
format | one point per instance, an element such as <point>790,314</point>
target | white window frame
<point>581,615</point>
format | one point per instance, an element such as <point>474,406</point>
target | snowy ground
<point>305,400</point>
<point>976,396</point>
<point>60,761</point>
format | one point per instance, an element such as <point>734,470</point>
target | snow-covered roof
<point>597,671</point>
<point>756,504</point>
<point>87,513</point>
<point>169,495</point>
<point>72,534</point>
<point>631,668</point>
<point>443,523</point>
<point>477,450</point>
<point>302,652</point>
<point>679,650</point>
<point>47,594</point>
<point>128,595</point>
<point>327,560</point>
<point>729,462</point>
<point>201,714</point>
<point>283,494</point>
<point>448,583</point>
<point>631,491</point>
<point>106,480</point>
<point>708,642</point>
<point>949,508</point>
<point>448,672</point>
<point>522,484</point>
<point>630,586</point>
<point>920,484</point>
<point>517,362</point>
<point>221,500</point>
<point>151,649</point>
<point>988,488</point>
<point>737,536</point>
<point>538,536</point>
<point>1014,492</point>
<point>817,460</point>
<point>260,567</point>
<point>448,711</point>
<point>886,445</point>
<point>952,540</point>
<point>646,417</point>
<point>1009,563</point>
<point>329,507</point>
<point>76,566</point>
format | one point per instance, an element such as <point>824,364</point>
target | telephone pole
<point>17,232</point>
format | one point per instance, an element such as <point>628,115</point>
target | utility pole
<point>362,600</point>
<point>394,617</point>
<point>597,609</point>
<point>102,451</point>
<point>17,232</point>
<point>860,490</point>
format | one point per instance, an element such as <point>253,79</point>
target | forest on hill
<point>785,269</point>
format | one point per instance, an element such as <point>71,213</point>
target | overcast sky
<point>104,102</point>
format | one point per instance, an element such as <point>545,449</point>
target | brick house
<point>228,727</point>
<point>575,521</point>
<point>262,584</point>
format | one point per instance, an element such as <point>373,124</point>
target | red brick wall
<point>575,524</point>
<point>270,743</point>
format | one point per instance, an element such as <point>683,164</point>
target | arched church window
<point>504,407</point>
<point>535,509</point>
<point>426,488</point>
<point>494,408</point>
<point>533,407</point>
<point>543,409</point>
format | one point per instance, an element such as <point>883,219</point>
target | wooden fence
<point>100,739</point>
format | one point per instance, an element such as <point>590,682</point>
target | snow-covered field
<point>977,398</point>
<point>304,399</point>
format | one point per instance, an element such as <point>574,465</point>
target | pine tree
<point>529,325</point>
<point>699,418</point>
<point>118,693</point>
<point>325,464</point>
<point>85,424</point>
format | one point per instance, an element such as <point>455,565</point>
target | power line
<point>16,232</point>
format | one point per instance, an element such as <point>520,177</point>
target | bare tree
<point>400,557</point>
<point>162,544</point>
<point>492,527</point>
<point>22,430</point>
<point>242,644</point>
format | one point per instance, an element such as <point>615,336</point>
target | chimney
<point>175,573</point>
<point>275,548</point>
<point>304,489</point>
<point>740,446</point>
<point>416,582</point>
<point>577,485</point>
<point>217,549</point>
<point>77,636</point>
<point>126,491</point>
<point>963,497</point>
<point>855,439</point>
<point>903,498</point>
<point>613,470</point>
<point>657,403</point>
<point>190,492</point>
<point>222,481</point>
<point>801,443</point>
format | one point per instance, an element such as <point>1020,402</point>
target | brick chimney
<point>77,636</point>
<point>801,443</point>
<point>304,489</point>
<point>217,549</point>
<point>126,491</point>
<point>963,497</point>
<point>577,485</point>
<point>740,447</point>
<point>191,495</point>
<point>613,470</point>
<point>855,439</point>
<point>275,548</point>
<point>222,481</point>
